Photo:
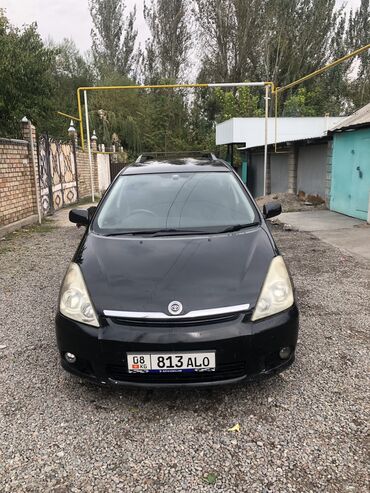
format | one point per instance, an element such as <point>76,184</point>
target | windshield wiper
<point>174,232</point>
<point>179,232</point>
<point>159,232</point>
<point>238,227</point>
<point>131,233</point>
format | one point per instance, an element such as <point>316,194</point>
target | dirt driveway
<point>303,431</point>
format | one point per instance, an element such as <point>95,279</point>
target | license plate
<point>171,362</point>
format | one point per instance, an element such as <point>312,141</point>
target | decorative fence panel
<point>115,168</point>
<point>57,174</point>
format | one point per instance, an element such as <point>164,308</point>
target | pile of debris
<point>291,202</point>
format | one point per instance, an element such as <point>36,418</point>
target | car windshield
<point>175,202</point>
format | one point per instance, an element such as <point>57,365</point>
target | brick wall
<point>17,182</point>
<point>83,171</point>
<point>20,201</point>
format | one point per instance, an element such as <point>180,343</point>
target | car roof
<point>176,165</point>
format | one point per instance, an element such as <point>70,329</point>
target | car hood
<point>202,272</point>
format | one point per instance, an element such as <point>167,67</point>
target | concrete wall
<point>312,168</point>
<point>255,174</point>
<point>305,167</point>
<point>103,165</point>
<point>279,173</point>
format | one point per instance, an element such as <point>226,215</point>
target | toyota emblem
<point>175,308</point>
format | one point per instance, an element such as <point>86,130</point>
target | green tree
<point>229,34</point>
<point>70,70</point>
<point>210,40</point>
<point>296,39</point>
<point>168,47</point>
<point>113,37</point>
<point>26,85</point>
<point>241,103</point>
<point>299,104</point>
<point>358,35</point>
<point>279,41</point>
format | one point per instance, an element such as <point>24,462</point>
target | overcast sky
<point>58,19</point>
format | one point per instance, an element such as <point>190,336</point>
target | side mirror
<point>79,217</point>
<point>271,209</point>
<point>91,211</point>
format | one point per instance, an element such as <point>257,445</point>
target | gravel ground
<point>302,431</point>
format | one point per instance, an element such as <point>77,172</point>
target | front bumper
<point>245,350</point>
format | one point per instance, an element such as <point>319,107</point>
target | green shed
<point>350,167</point>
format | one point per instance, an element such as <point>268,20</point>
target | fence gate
<point>57,173</point>
<point>115,168</point>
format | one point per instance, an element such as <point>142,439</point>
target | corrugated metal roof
<point>360,117</point>
<point>251,131</point>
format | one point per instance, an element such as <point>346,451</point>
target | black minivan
<point>177,281</point>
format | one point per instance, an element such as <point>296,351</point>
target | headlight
<point>74,300</point>
<point>277,292</point>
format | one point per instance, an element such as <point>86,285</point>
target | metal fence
<point>57,173</point>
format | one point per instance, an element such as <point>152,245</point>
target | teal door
<point>361,179</point>
<point>350,185</point>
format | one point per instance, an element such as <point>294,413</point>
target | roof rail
<point>145,156</point>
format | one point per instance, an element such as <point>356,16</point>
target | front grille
<point>180,322</point>
<point>225,371</point>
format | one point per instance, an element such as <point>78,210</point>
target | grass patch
<point>87,200</point>
<point>4,249</point>
<point>210,478</point>
<point>47,226</point>
<point>84,201</point>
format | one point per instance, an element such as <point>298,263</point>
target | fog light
<point>70,358</point>
<point>285,352</point>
